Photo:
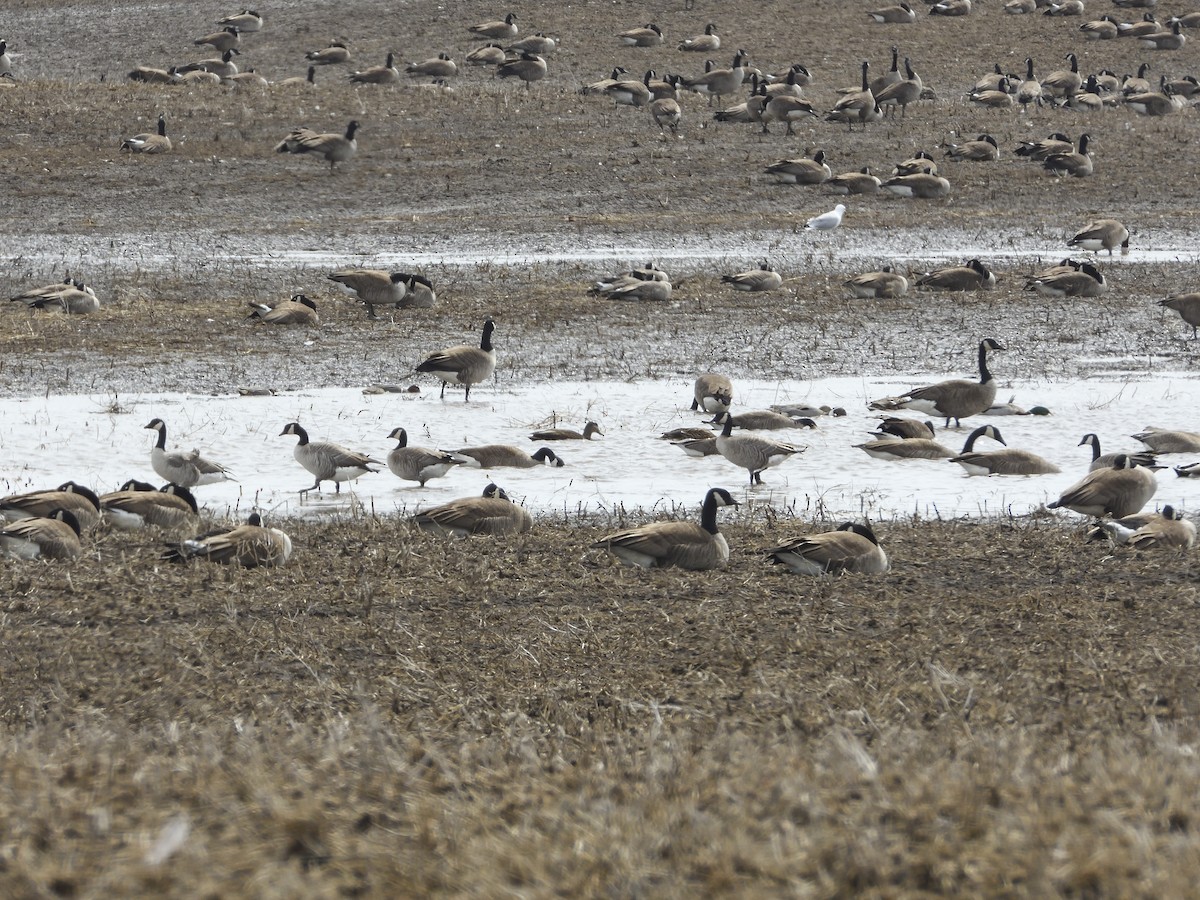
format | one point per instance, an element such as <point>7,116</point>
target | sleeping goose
<point>74,498</point>
<point>299,310</point>
<point>764,278</point>
<point>492,513</point>
<point>250,545</point>
<point>328,461</point>
<point>51,537</point>
<point>495,30</point>
<point>685,545</point>
<point>138,505</point>
<point>184,469</point>
<point>972,276</point>
<point>853,547</point>
<point>885,283</point>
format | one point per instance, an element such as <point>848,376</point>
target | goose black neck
<point>984,374</point>
<point>708,513</point>
<point>162,126</point>
<point>975,435</point>
<point>402,438</point>
<point>161,443</point>
<point>301,434</point>
<point>1095,447</point>
<point>488,327</point>
<point>727,430</point>
<point>865,85</point>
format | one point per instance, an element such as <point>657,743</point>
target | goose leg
<point>443,394</point>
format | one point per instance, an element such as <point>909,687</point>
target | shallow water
<point>99,440</point>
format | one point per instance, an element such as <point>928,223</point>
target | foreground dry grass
<point>397,714</point>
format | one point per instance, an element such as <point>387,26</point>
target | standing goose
<point>925,448</point>
<point>52,537</point>
<point>666,113</point>
<point>803,170</point>
<point>764,278</point>
<point>1165,530</point>
<point>973,276</point>
<point>1106,460</point>
<point>876,285</point>
<point>138,505</point>
<point>335,54</point>
<point>528,67</point>
<point>957,399</point>
<point>703,43</point>
<point>888,78</point>
<point>1101,234</point>
<point>184,469</point>
<point>495,31</point>
<point>497,456</point>
<point>712,393</point>
<point>464,364</point>
<point>788,109</point>
<point>590,430</point>
<point>74,498</point>
<point>335,148</point>
<point>858,106</point>
<point>1029,90</point>
<point>247,21</point>
<point>225,39</point>
<point>853,547</point>
<point>328,461</point>
<point>719,83</point>
<point>1163,440</point>
<point>1119,491</point>
<point>418,464</point>
<point>685,545</point>
<point>149,143</point>
<point>902,92</point>
<point>753,452</point>
<point>1004,462</point>
<point>492,513</point>
<point>373,287</point>
<point>250,545</point>
<point>299,310</point>
<point>1078,164</point>
<point>1188,307</point>
<point>385,74</point>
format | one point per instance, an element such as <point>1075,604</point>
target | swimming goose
<point>860,182</point>
<point>419,464</point>
<point>1106,460</point>
<point>250,545</point>
<point>983,149</point>
<point>1101,234</point>
<point>1121,490</point>
<point>490,31</point>
<point>901,14</point>
<point>712,393</point>
<point>463,364</point>
<point>1004,462</point>
<point>528,67</point>
<point>247,21</point>
<point>335,54</point>
<point>385,74</point>
<point>492,55</point>
<point>373,287</point>
<point>1166,530</point>
<point>1051,146</point>
<point>71,297</point>
<point>666,113</point>
<point>75,498</point>
<point>1165,40</point>
<point>973,276</point>
<point>649,35</point>
<point>497,456</point>
<point>920,185</point>
<point>1188,307</point>
<point>335,148</point>
<point>590,430</point>
<point>685,545</point>
<point>925,448</point>
<point>764,420</point>
<point>956,399</point>
<point>902,92</point>
<point>1086,281</point>
<point>184,469</point>
<point>764,278</point>
<point>52,537</point>
<point>905,429</point>
<point>1103,29</point>
<point>1163,440</point>
<point>703,43</point>
<point>1063,82</point>
<point>697,447</point>
<point>753,452</point>
<point>492,513</point>
<point>149,143</point>
<point>878,285</point>
<point>853,547</point>
<point>328,461</point>
<point>299,310</point>
<point>1077,164</point>
<point>441,66</point>
<point>138,505</point>
<point>718,83</point>
<point>225,39</point>
<point>859,106</point>
<point>804,170</point>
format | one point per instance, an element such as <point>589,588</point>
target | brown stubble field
<point>1010,712</point>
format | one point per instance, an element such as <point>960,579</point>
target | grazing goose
<point>956,399</point>
<point>860,182</point>
<point>1078,164</point>
<point>1103,29</point>
<point>328,461</point>
<point>74,498</point>
<point>788,109</point>
<point>973,276</point>
<point>373,287</point>
<point>807,411</point>
<point>1162,440</point>
<point>418,464</point>
<point>590,430</point>
<point>983,149</point>
<point>764,278</point>
<point>685,545</point>
<point>138,505</point>
<point>712,393</point>
<point>858,106</point>
<point>703,43</point>
<point>804,170</point>
<point>904,429</point>
<point>385,74</point>
<point>1086,281</point>
<point>920,185</point>
<point>1188,307</point>
<point>297,311</point>
<point>335,148</point>
<point>463,364</point>
<point>827,221</point>
<point>902,14</point>
<point>1038,150</point>
<point>1063,82</point>
<point>492,513</point>
<point>764,420</point>
<point>247,21</point>
<point>149,143</point>
<point>1118,491</point>
<point>902,92</point>
<point>1004,462</point>
<point>493,55</point>
<point>1101,234</point>
<point>1106,460</point>
<point>184,469</point>
<point>853,547</point>
<point>752,452</point>
<point>649,35</point>
<point>528,67</point>
<point>52,537</point>
<point>719,83</point>
<point>335,54</point>
<point>250,545</point>
<point>419,293</point>
<point>876,285</point>
<point>225,39</point>
<point>1165,40</point>
<point>441,66</point>
<point>71,297</point>
<point>925,448</point>
<point>1166,530</point>
<point>1009,408</point>
<point>506,456</point>
<point>666,113</point>
<point>494,31</point>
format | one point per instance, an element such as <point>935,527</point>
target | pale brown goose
<point>51,537</point>
<point>250,545</point>
<point>858,106</point>
<point>1164,440</point>
<point>75,498</point>
<point>335,148</point>
<point>925,448</point>
<point>712,393</point>
<point>853,548</point>
<point>72,297</point>
<point>1121,490</point>
<point>463,364</point>
<point>419,464</point>
<point>149,143</point>
<point>590,431</point>
<point>490,55</point>
<point>385,74</point>
<point>1062,83</point>
<point>1103,29</point>
<point>497,456</point>
<point>685,545</point>
<point>299,310</point>
<point>1101,234</point>
<point>753,452</point>
<point>875,285</point>
<point>1188,307</point>
<point>956,399</point>
<point>188,469</point>
<point>328,461</point>
<point>666,113</point>
<point>1106,460</point>
<point>138,505</point>
<point>764,278</point>
<point>1173,39</point>
<point>492,513</point>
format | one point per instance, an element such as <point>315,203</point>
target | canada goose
<point>901,14</point>
<point>920,185</point>
<point>697,447</point>
<point>488,55</point>
<point>335,148</point>
<point>1102,29</point>
<point>148,75</point>
<point>718,83</point>
<point>764,420</point>
<point>904,429</point>
<point>764,278</point>
<point>373,287</point>
<point>492,513</point>
<point>149,143</point>
<point>540,44</point>
<point>853,547</point>
<point>6,62</point>
<point>1009,408</point>
<point>328,461</point>
<point>655,290</point>
<point>753,452</point>
<point>1030,89</point>
<point>419,293</point>
<point>497,456</point>
<point>803,170</point>
<point>920,163</point>
<point>1188,307</point>
<point>972,276</point>
<point>250,545</point>
<point>51,537</point>
<point>1101,234</point>
<point>1088,99</point>
<point>645,273</point>
<point>1163,440</point>
<point>247,80</point>
<point>1077,164</point>
<point>925,448</point>
<point>859,106</point>
<point>247,21</point>
<point>649,35</point>
<point>878,285</point>
<point>184,469</point>
<point>749,111</point>
<point>1105,461</point>
<point>529,67</point>
<point>795,74</point>
<point>703,43</point>
<point>590,430</point>
<point>787,109</point>
<point>1066,8</point>
<point>688,434</point>
<point>138,505</point>
<point>957,399</point>
<point>75,498</point>
<point>1020,7</point>
<point>1118,491</point>
<point>463,364</point>
<point>631,91</point>
<point>299,310</point>
<point>807,411</point>
<point>995,80</point>
<point>1063,82</point>
<point>385,74</point>
<point>712,393</point>
<point>72,297</point>
<point>827,221</point>
<point>1189,470</point>
<point>1156,103</point>
<point>335,54</point>
<point>1165,40</point>
<point>901,93</point>
<point>200,76</point>
<point>685,545</point>
<point>860,182</point>
<point>223,40</point>
<point>420,464</point>
<point>1166,530</point>
<point>983,149</point>
<point>1188,87</point>
<point>951,8</point>
<point>441,66</point>
<point>599,87</point>
<point>1038,150</point>
<point>489,31</point>
<point>666,113</point>
<point>1136,84</point>
<point>1086,281</point>
<point>888,78</point>
<point>222,68</point>
<point>1004,462</point>
<point>1122,529</point>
